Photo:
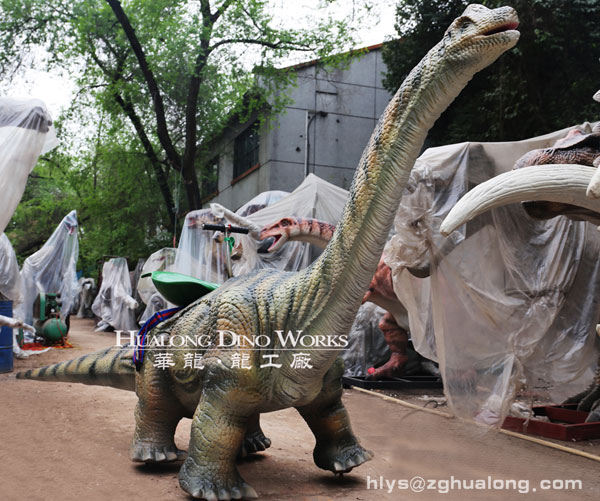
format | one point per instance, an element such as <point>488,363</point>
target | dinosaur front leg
<point>218,430</point>
<point>156,417</point>
<point>589,400</point>
<point>337,449</point>
<point>255,440</point>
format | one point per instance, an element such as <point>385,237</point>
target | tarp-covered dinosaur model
<point>550,182</point>
<point>26,132</point>
<point>554,184</point>
<point>225,398</point>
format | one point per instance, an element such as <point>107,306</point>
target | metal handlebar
<point>225,228</point>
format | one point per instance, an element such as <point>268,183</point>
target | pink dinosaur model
<point>394,324</point>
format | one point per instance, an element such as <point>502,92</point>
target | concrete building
<point>339,108</point>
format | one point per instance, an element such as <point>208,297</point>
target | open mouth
<point>502,28</point>
<point>276,239</point>
<point>548,210</point>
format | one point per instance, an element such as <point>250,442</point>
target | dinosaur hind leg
<point>397,340</point>
<point>337,449</point>
<point>156,417</point>
<point>255,440</point>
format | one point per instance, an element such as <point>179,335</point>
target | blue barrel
<point>6,339</point>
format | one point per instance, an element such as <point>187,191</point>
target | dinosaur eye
<point>463,24</point>
<point>285,222</point>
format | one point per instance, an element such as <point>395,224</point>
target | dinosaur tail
<point>110,367</point>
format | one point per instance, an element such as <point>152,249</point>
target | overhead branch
<point>191,110</point>
<point>255,41</point>
<point>161,177</point>
<point>220,10</point>
<point>129,110</point>
<point>159,109</point>
<point>253,21</point>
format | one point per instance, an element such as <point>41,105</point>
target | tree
<point>545,83</point>
<point>175,69</point>
<point>116,215</point>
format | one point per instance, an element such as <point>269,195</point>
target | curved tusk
<point>552,183</point>
<point>593,189</point>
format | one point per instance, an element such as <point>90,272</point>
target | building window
<point>210,178</point>
<point>245,154</point>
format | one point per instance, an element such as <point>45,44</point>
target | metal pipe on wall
<point>307,123</point>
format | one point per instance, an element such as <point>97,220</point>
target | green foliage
<point>116,214</point>
<point>119,216</point>
<point>158,80</point>
<point>544,84</point>
<point>193,52</point>
<point>47,199</point>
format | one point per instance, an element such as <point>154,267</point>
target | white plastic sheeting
<point>314,198</point>
<point>87,294</point>
<point>135,278</point>
<point>511,301</point>
<point>161,260</point>
<point>114,304</point>
<point>26,132</point>
<point>52,269</point>
<point>260,201</point>
<point>11,285</point>
<point>366,343</point>
<point>199,254</point>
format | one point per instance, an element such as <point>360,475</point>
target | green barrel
<point>54,329</point>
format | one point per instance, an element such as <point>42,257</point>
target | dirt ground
<point>65,442</point>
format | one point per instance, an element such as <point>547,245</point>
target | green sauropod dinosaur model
<point>224,397</point>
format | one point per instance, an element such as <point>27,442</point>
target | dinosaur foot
<point>340,458</point>
<point>154,453</point>
<point>213,486</point>
<point>594,414</point>
<point>254,442</point>
<point>394,367</point>
<point>588,401</point>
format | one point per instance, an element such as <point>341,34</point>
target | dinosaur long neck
<point>335,284</point>
<point>312,231</point>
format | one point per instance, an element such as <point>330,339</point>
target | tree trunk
<point>192,189</point>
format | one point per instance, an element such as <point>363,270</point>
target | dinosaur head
<point>280,232</point>
<point>477,38</point>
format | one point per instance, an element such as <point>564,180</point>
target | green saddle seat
<point>181,289</point>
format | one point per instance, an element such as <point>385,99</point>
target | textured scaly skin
<point>110,367</point>
<point>393,325</point>
<point>576,148</point>
<point>320,300</point>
